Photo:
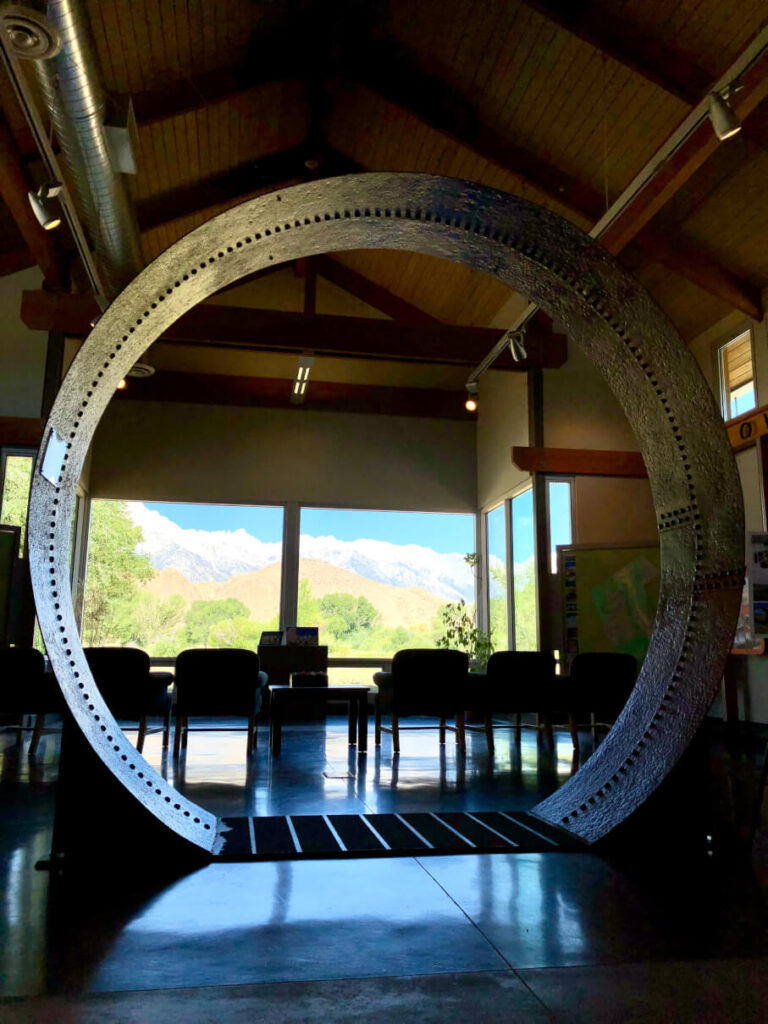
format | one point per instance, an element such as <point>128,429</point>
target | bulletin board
<point>609,597</point>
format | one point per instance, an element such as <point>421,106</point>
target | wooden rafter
<point>578,461</point>
<point>444,109</point>
<point>14,188</point>
<point>340,336</point>
<point>684,163</point>
<point>272,171</point>
<point>630,45</point>
<point>275,392</point>
<point>370,293</point>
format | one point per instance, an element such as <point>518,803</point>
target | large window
<point>16,471</point>
<point>167,576</point>
<point>558,517</point>
<point>375,582</point>
<point>497,577</point>
<point>737,376</point>
<point>526,632</point>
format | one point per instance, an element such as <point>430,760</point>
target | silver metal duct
<point>76,100</point>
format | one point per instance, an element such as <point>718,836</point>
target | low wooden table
<point>356,696</point>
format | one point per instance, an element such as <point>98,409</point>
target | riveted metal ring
<point>690,465</point>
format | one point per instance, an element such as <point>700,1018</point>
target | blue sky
<point>441,532</point>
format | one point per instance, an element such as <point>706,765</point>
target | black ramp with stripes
<point>396,833</point>
<point>314,835</point>
<point>381,835</point>
<point>355,834</point>
<point>273,836</point>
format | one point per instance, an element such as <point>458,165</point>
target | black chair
<point>27,689</point>
<point>517,682</point>
<point>217,682</point>
<point>423,682</point>
<point>598,684</point>
<point>130,689</point>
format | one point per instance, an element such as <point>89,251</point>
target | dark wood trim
<point>342,336</point>
<point>15,185</point>
<point>20,431</point>
<point>275,392</point>
<point>684,163</point>
<point>578,461</point>
<point>630,45</point>
<point>54,366</point>
<point>372,294</point>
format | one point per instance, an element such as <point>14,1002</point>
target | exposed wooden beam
<point>13,262</point>
<point>370,292</point>
<point>14,189</point>
<point>273,171</point>
<point>275,392</point>
<point>20,431</point>
<point>342,336</point>
<point>630,44</point>
<point>445,109</point>
<point>687,261</point>
<point>578,461</point>
<point>189,94</point>
<point>684,163</point>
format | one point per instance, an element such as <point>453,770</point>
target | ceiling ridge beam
<point>418,93</point>
<point>630,45</point>
<point>372,294</point>
<point>324,334</point>
<point>275,392</point>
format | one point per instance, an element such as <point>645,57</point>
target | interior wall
<point>502,421</point>
<point>23,351</point>
<point>179,452</point>
<point>750,673</point>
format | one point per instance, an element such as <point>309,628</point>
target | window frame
<point>722,385</point>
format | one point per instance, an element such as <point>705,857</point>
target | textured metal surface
<point>75,98</point>
<point>692,472</point>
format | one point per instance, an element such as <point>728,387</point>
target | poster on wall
<point>609,597</point>
<point>757,577</point>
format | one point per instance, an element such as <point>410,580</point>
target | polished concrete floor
<point>661,933</point>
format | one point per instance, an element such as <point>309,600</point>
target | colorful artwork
<point>609,598</point>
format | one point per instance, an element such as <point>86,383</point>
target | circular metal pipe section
<point>691,468</point>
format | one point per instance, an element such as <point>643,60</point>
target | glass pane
<point>165,576</point>
<point>16,485</point>
<point>376,582</point>
<point>737,371</point>
<point>559,505</point>
<point>497,578</point>
<point>526,633</point>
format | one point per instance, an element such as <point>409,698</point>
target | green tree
<point>114,572</point>
<point>461,634</point>
<point>346,615</point>
<point>148,619</point>
<point>308,607</point>
<point>525,607</point>
<point>18,480</point>
<point>202,615</point>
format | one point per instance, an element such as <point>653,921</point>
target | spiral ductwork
<point>76,100</point>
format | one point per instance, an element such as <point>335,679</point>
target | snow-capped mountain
<point>220,554</point>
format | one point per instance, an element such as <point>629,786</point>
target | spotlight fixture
<point>122,385</point>
<point>516,341</point>
<point>42,207</point>
<point>724,121</point>
<point>300,381</point>
<point>471,403</point>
